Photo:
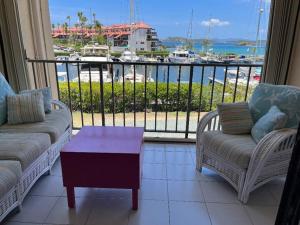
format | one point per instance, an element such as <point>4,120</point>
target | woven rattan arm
<point>278,141</point>
<point>205,122</point>
<point>62,105</point>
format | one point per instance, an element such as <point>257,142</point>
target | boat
<point>61,58</point>
<point>74,57</point>
<point>181,55</point>
<point>139,78</point>
<point>243,76</point>
<point>91,71</point>
<point>129,56</point>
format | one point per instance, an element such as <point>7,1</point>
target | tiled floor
<point>172,192</point>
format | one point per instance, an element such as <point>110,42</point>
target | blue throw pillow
<point>286,98</point>
<point>5,90</point>
<point>47,97</point>
<point>274,119</point>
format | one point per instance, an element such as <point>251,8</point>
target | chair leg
<point>243,196</point>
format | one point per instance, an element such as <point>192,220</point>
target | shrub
<point>171,101</point>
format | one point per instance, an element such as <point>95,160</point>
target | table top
<point>96,139</point>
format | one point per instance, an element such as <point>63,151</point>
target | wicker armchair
<point>268,159</point>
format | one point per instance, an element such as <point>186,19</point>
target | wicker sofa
<point>27,151</point>
<point>245,164</point>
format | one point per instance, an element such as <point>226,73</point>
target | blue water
<point>221,48</point>
<point>217,48</point>
<point>162,72</point>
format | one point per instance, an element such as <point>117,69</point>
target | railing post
<point>189,102</point>
<point>102,95</point>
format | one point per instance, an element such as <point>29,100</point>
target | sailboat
<point>182,54</point>
<point>130,55</point>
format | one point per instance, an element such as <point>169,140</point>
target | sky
<point>214,19</point>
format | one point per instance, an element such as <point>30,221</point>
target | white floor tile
<point>48,186</point>
<point>262,196</point>
<point>154,171</point>
<point>188,213</point>
<point>228,214</point>
<point>62,214</point>
<point>154,190</point>
<point>182,172</point>
<point>150,213</point>
<point>276,188</point>
<point>185,191</point>
<point>20,223</point>
<point>56,168</point>
<point>262,215</point>
<point>219,192</point>
<point>153,147</point>
<point>154,157</point>
<point>179,158</point>
<point>112,212</point>
<point>35,209</point>
<point>178,147</point>
<point>106,193</point>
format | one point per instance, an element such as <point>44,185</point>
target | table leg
<point>135,200</point>
<point>71,197</point>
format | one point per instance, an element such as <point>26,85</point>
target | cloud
<point>213,22</point>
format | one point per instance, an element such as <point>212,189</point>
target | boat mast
<point>131,21</point>
<point>190,31</point>
<point>261,10</point>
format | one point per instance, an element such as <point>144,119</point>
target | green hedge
<point>170,104</point>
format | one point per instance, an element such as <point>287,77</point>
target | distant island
<point>236,41</point>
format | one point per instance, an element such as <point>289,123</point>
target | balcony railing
<point>167,99</point>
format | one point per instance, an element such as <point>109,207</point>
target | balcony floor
<point>172,193</point>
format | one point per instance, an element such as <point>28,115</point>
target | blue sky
<point>227,18</point>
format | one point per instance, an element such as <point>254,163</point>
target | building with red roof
<point>140,36</point>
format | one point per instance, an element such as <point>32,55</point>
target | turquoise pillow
<point>274,119</point>
<point>47,97</point>
<point>5,90</point>
<point>286,98</point>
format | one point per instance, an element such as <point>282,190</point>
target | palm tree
<point>53,26</point>
<point>82,20</point>
<point>69,20</point>
<point>98,26</point>
<point>65,27</point>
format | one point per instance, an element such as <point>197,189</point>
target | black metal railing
<point>165,98</point>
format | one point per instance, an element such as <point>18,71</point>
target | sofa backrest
<point>286,98</point>
<point>5,90</point>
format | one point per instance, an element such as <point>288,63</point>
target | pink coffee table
<point>103,157</point>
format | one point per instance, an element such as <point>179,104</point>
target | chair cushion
<point>273,120</point>
<point>5,90</point>
<point>25,148</point>
<point>55,124</point>
<point>47,97</point>
<point>10,173</point>
<point>25,108</point>
<point>286,98</point>
<point>234,148</point>
<point>235,118</point>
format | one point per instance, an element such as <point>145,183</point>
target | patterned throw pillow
<point>274,119</point>
<point>46,95</point>
<point>25,108</point>
<point>5,90</point>
<point>235,118</point>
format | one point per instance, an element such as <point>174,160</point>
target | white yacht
<point>74,57</point>
<point>91,71</point>
<point>129,56</point>
<point>139,78</point>
<point>181,55</point>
